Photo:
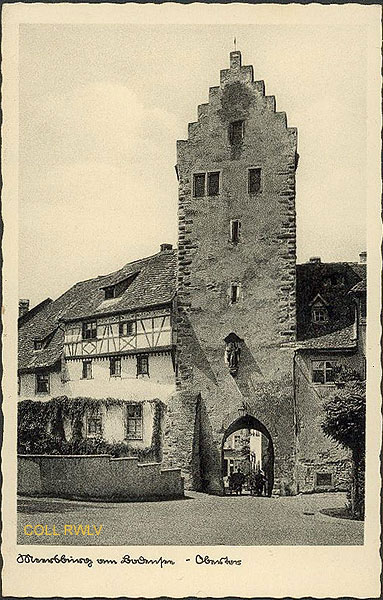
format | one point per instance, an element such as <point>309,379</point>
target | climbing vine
<point>41,428</point>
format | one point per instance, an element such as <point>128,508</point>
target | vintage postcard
<point>191,316</point>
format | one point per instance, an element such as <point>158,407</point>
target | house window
<point>323,371</point>
<point>323,479</point>
<point>254,181</point>
<point>234,293</point>
<point>42,382</point>
<point>127,328</point>
<point>134,422</point>
<point>213,184</point>
<point>94,424</point>
<point>237,442</point>
<point>115,366</point>
<point>87,369</point>
<point>89,330</point>
<point>236,132</point>
<point>110,292</point>
<point>38,344</point>
<point>235,230</point>
<point>142,364</point>
<point>319,315</point>
<point>199,185</point>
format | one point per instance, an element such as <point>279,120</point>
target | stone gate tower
<point>236,282</point>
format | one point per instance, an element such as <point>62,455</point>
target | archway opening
<point>247,447</point>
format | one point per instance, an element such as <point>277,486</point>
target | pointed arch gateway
<point>250,422</point>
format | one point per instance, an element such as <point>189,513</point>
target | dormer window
<point>38,344</point>
<point>118,287</point>
<point>236,130</point>
<point>110,292</point>
<point>319,310</point>
<point>319,315</point>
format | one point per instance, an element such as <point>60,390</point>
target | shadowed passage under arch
<point>265,460</point>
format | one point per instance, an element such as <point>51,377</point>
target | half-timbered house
<point>108,337</point>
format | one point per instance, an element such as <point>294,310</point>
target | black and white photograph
<point>194,276</point>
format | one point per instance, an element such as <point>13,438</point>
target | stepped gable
<point>333,282</point>
<point>153,285</point>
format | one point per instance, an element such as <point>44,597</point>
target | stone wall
<point>262,264</point>
<point>96,477</point>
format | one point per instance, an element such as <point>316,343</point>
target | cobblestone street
<point>199,519</point>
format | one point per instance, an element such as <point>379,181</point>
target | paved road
<point>197,520</point>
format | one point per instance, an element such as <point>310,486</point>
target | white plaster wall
<point>159,384</point>
<point>114,425</point>
<point>28,387</point>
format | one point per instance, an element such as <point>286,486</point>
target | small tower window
<point>235,231</point>
<point>199,185</point>
<point>236,132</point>
<point>213,184</point>
<point>234,293</point>
<point>254,181</point>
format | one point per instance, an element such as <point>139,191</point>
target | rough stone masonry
<point>236,274</point>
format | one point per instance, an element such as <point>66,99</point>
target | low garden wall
<point>96,477</point>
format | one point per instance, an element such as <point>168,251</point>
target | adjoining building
<point>227,332</point>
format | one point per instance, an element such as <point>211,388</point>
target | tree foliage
<point>345,416</point>
<point>345,422</point>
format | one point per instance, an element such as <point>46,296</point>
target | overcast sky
<point>101,108</point>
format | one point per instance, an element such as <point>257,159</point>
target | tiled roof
<point>359,287</point>
<point>333,282</point>
<point>341,339</point>
<point>154,285</point>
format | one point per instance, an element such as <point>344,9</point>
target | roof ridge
<point>137,260</point>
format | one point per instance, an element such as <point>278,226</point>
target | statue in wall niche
<point>233,352</point>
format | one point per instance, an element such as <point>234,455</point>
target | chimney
<point>235,59</point>
<point>164,247</point>
<point>315,260</point>
<point>363,258</point>
<point>23,307</point>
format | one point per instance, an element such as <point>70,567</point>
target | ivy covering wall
<point>41,428</point>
